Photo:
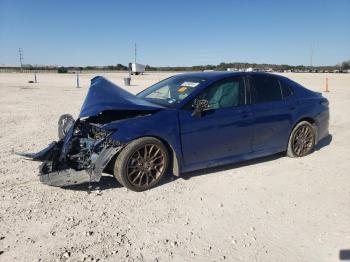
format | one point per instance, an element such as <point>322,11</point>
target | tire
<point>302,140</point>
<point>141,164</point>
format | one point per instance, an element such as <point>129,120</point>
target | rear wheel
<point>141,164</point>
<point>302,140</point>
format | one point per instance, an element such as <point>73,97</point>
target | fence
<point>31,71</point>
<point>18,70</point>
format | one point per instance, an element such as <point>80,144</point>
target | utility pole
<point>311,55</point>
<point>135,52</point>
<point>20,51</point>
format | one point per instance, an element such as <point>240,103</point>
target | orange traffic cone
<point>327,90</point>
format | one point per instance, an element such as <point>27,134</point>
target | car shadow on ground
<point>324,142</point>
<point>344,254</point>
<point>108,181</point>
<point>210,170</point>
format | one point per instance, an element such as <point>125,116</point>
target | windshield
<point>171,91</point>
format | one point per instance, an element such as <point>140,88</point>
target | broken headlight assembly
<point>98,133</point>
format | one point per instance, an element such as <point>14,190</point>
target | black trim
<point>249,91</point>
<point>287,86</point>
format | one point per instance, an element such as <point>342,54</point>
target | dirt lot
<point>272,209</point>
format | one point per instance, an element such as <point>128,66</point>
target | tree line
<point>220,67</point>
<point>275,67</point>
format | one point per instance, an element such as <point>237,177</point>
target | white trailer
<point>251,69</point>
<point>137,69</point>
<point>232,69</point>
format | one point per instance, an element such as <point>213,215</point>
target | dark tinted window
<point>225,93</point>
<point>286,90</point>
<point>265,89</point>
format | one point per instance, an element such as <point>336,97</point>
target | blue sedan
<point>183,123</point>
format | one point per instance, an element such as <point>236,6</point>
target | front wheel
<point>141,164</point>
<point>302,140</point>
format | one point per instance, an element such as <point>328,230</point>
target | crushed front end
<point>81,154</point>
<point>85,147</point>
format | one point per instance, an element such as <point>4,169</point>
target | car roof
<point>216,75</point>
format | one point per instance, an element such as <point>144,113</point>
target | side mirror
<point>199,106</point>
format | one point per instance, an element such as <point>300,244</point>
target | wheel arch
<point>173,163</point>
<point>309,119</point>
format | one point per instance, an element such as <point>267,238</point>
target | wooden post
<point>78,80</point>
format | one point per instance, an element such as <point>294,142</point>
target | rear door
<point>225,130</point>
<point>272,114</point>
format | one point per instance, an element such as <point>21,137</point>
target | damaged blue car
<point>183,123</point>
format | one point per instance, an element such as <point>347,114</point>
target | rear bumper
<point>322,126</point>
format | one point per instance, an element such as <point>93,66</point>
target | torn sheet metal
<point>80,156</point>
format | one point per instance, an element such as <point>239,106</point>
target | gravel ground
<point>271,209</point>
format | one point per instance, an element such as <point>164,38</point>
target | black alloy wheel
<point>302,140</point>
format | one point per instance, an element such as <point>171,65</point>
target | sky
<point>174,33</point>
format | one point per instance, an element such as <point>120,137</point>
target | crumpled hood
<point>103,95</point>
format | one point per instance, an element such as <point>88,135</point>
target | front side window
<point>225,93</point>
<point>171,91</point>
<point>265,89</point>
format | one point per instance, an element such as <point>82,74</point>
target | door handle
<point>246,114</point>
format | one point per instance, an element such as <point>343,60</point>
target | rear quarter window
<point>287,91</point>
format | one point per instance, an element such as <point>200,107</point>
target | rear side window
<point>286,90</point>
<point>265,89</point>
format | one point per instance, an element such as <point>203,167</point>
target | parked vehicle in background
<point>251,69</point>
<point>137,69</point>
<point>183,123</point>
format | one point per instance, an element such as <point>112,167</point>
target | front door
<point>224,130</point>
